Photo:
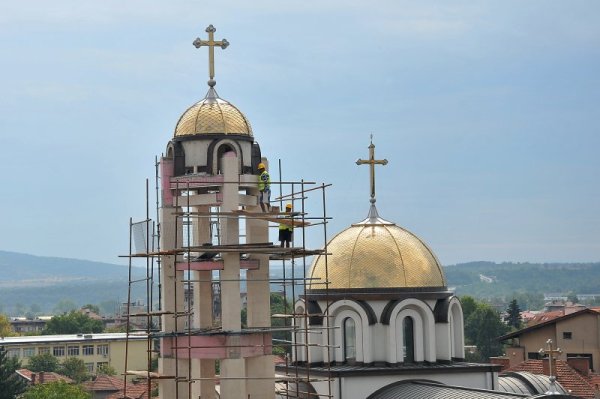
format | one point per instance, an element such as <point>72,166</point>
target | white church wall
<point>443,341</point>
<point>378,307</point>
<point>431,303</point>
<point>379,335</point>
<point>195,152</point>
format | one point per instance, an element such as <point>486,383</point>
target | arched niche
<point>298,336</point>
<point>340,311</point>
<point>457,329</point>
<point>216,151</point>
<point>424,331</point>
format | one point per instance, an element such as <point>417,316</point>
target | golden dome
<point>212,115</point>
<point>376,254</point>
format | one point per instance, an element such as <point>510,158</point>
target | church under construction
<point>366,314</point>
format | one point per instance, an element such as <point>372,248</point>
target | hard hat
<point>288,206</point>
<point>261,166</point>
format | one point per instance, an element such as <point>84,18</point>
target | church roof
<point>376,253</point>
<point>212,115</point>
<point>427,389</point>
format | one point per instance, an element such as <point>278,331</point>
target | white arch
<point>338,311</point>
<point>215,156</point>
<point>422,315</point>
<point>417,335</point>
<point>299,333</point>
<point>457,329</point>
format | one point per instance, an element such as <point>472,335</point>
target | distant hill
<point>489,279</point>
<point>37,282</point>
<point>21,267</point>
<point>43,282</point>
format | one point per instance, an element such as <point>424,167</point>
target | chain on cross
<point>372,162</point>
<point>211,44</point>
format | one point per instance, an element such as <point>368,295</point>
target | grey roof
<point>512,384</point>
<point>433,390</point>
<point>291,390</point>
<point>535,383</point>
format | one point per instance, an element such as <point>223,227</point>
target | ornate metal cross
<point>211,44</point>
<point>372,162</point>
<point>551,352</point>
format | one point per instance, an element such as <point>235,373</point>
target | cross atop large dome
<point>376,254</point>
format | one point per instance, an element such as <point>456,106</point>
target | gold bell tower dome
<point>212,115</point>
<point>376,254</point>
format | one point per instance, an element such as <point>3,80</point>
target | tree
<point>74,368</point>
<point>107,369</point>
<point>72,323</point>
<point>482,328</point>
<point>56,390</point>
<point>469,304</point>
<point>513,314</point>
<point>5,327</point>
<point>92,308</point>
<point>11,385</point>
<point>43,362</point>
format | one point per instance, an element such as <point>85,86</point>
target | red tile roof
<point>543,317</point>
<point>45,376</point>
<point>134,391</point>
<point>104,383</point>
<point>568,377</point>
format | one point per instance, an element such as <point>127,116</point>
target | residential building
<point>24,325</point>
<point>94,349</point>
<point>576,334</point>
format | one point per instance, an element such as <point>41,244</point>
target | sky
<point>488,113</point>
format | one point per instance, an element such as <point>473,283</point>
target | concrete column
<point>168,367</point>
<point>233,371</point>
<point>202,368</point>
<point>203,287</point>
<point>258,301</point>
<point>234,388</point>
<point>261,370</point>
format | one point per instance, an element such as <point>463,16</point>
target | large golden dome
<point>212,115</point>
<point>376,253</point>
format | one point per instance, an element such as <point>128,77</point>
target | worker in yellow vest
<point>264,186</point>
<point>286,230</point>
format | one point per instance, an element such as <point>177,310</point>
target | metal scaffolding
<point>288,270</point>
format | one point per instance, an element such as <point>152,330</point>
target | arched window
<point>408,326</point>
<point>349,327</point>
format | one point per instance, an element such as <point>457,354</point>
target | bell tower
<point>208,178</point>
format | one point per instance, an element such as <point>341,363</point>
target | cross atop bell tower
<point>372,162</point>
<point>211,44</point>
